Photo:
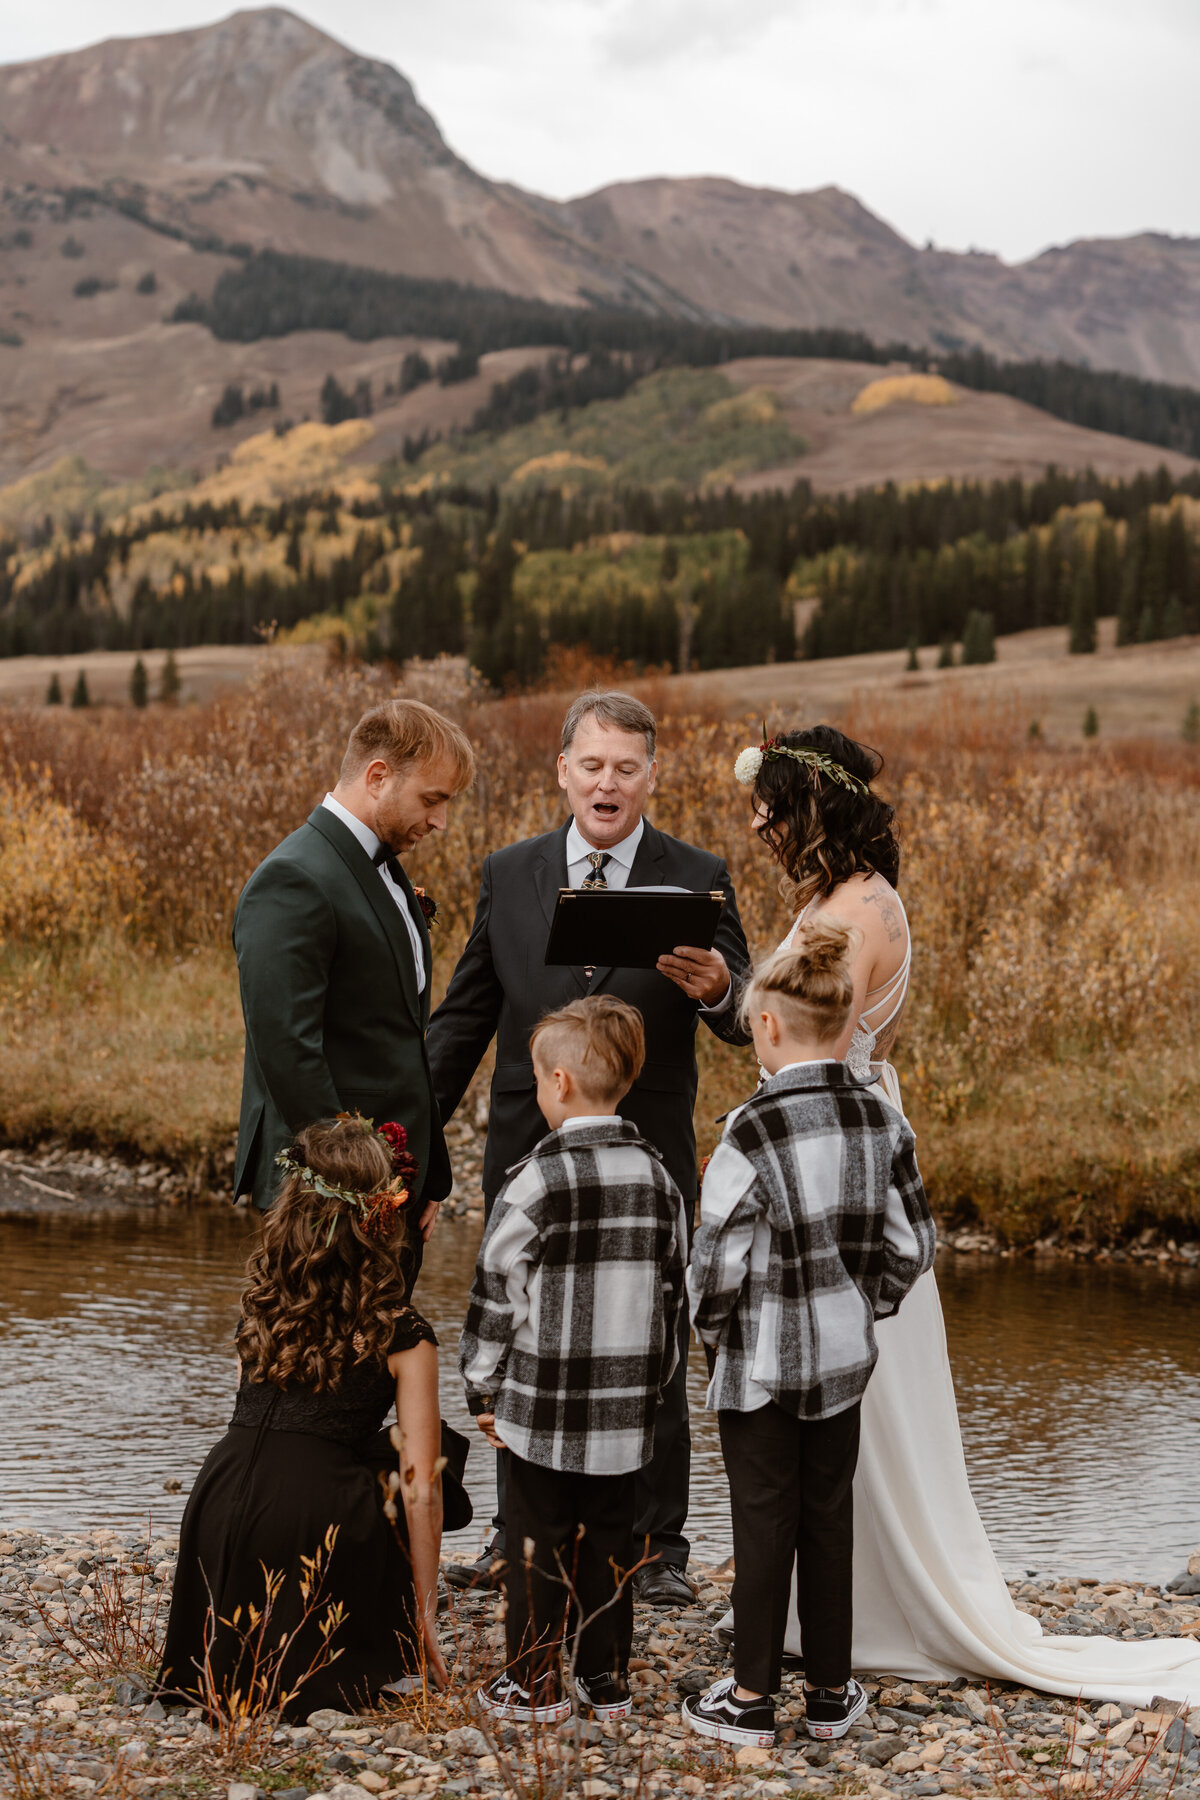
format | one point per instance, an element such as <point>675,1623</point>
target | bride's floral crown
<point>378,1211</point>
<point>752,758</point>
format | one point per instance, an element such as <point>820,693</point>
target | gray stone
<point>881,1752</point>
<point>129,1693</point>
<point>327,1719</point>
<point>155,1710</point>
<point>467,1740</point>
<point>341,1762</point>
<point>292,1793</point>
<point>1184,1584</point>
<point>1178,1737</point>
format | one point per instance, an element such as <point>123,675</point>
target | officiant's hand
<point>703,975</point>
<point>428,1219</point>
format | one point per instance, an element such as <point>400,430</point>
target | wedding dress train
<point>929,1597</point>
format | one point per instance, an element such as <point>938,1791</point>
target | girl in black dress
<point>327,1347</point>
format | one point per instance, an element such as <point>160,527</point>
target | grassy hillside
<point>686,426</point>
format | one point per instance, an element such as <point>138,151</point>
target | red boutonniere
<point>404,1163</point>
<point>427,904</point>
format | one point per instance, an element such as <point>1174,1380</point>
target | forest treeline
<point>270,294</point>
<point>655,577</point>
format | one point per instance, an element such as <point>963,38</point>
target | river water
<point>1078,1389</point>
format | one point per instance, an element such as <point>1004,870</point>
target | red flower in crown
<point>427,904</point>
<point>404,1163</point>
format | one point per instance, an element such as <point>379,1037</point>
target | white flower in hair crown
<point>751,759</point>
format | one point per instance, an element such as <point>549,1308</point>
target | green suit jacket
<point>334,1022</point>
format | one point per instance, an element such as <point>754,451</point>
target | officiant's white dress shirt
<point>616,875</point>
<point>371,844</point>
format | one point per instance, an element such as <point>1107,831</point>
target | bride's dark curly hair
<point>318,1299</point>
<point>819,831</point>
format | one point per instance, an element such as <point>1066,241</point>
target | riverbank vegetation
<point>1049,1052</point>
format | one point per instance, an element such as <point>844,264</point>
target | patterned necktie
<point>597,858</point>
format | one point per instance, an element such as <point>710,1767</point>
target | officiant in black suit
<point>334,957</point>
<point>502,987</point>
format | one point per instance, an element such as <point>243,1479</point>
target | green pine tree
<point>1091,724</point>
<point>1191,724</point>
<point>79,693</point>
<point>54,695</point>
<point>979,638</point>
<point>914,661</point>
<point>169,682</point>
<point>1082,640</point>
<point>946,653</point>
<point>1173,621</point>
<point>139,686</point>
<point>1035,728</point>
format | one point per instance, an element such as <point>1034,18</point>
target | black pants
<point>580,1527</point>
<point>661,1503</point>
<point>790,1491</point>
<point>661,1488</point>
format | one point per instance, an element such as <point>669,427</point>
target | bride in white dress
<point>929,1597</point>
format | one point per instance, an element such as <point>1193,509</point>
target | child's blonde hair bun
<point>810,982</point>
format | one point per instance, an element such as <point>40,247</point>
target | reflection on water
<point>1079,1388</point>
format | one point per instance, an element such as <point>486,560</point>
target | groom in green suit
<point>334,957</point>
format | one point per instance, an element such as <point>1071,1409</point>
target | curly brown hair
<point>820,832</point>
<point>320,1292</point>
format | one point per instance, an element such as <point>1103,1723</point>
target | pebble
<point>913,1740</point>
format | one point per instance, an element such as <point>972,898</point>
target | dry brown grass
<point>1047,1051</point>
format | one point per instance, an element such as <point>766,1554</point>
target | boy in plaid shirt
<point>813,1224</point>
<point>571,1333</point>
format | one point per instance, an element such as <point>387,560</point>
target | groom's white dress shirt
<point>371,844</point>
<point>616,874</point>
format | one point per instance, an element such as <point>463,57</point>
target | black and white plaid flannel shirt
<point>813,1223</point>
<point>573,1324</point>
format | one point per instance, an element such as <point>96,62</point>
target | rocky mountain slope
<point>133,172</point>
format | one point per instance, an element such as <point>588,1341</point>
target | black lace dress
<point>292,1464</point>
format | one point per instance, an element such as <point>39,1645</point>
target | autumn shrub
<point>60,884</point>
<point>1049,891</point>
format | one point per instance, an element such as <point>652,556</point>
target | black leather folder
<point>629,928</point>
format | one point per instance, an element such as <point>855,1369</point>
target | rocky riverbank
<point>55,1181</point>
<point>73,1720</point>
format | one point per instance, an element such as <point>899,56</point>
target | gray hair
<point>610,707</point>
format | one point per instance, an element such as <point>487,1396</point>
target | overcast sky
<point>1004,124</point>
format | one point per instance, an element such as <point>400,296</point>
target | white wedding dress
<point>929,1597</point>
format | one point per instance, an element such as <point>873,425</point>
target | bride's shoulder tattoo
<point>889,914</point>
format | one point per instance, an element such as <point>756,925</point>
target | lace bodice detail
<point>351,1416</point>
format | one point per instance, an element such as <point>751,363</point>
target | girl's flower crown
<point>752,758</point>
<point>379,1211</point>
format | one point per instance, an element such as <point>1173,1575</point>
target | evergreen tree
<point>54,693</point>
<point>1035,728</point>
<point>1082,640</point>
<point>79,693</point>
<point>139,686</point>
<point>979,638</point>
<point>169,682</point>
<point>946,653</point>
<point>1091,723</point>
<point>1191,724</point>
<point>1173,620</point>
<point>914,661</point>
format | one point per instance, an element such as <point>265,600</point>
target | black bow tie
<point>387,859</point>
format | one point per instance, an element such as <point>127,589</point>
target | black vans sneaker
<point>720,1714</point>
<point>505,1698</point>
<point>830,1714</point>
<point>604,1697</point>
